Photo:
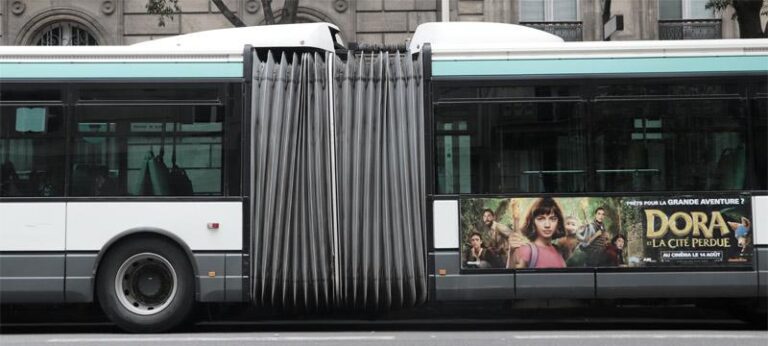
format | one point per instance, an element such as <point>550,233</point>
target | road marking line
<point>637,336</point>
<point>213,339</point>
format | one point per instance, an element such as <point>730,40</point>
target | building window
<point>65,34</point>
<point>684,9</point>
<point>548,10</point>
<point>687,20</point>
<point>557,17</point>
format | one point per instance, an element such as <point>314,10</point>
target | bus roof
<point>213,45</point>
<point>459,40</point>
<point>495,50</point>
<point>477,35</point>
<point>207,54</point>
<point>307,35</point>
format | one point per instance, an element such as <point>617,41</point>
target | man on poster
<point>593,239</point>
<point>497,235</point>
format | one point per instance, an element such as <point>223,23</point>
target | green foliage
<point>717,5</point>
<point>163,8</point>
<point>470,209</point>
<point>167,8</point>
<point>632,228</point>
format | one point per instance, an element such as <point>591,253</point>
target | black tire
<point>157,290</point>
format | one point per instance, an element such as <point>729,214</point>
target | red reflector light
<point>213,225</point>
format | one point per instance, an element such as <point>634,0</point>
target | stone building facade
<point>120,22</point>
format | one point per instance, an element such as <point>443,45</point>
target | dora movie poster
<point>624,232</point>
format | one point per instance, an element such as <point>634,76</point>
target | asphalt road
<point>463,325</point>
<point>425,338</point>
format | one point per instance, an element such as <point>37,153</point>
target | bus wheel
<point>146,286</point>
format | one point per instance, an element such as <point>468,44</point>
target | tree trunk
<point>606,16</point>
<point>290,8</point>
<point>748,14</point>
<point>231,17</point>
<point>606,11</point>
<point>269,17</point>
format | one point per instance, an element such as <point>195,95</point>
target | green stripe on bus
<point>599,66</point>
<point>78,70</point>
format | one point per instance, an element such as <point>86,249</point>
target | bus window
<point>453,158</point>
<point>10,92</point>
<point>510,147</point>
<point>31,151</point>
<point>669,145</point>
<point>169,150</point>
<point>760,138</point>
<point>456,92</point>
<point>164,93</point>
<point>650,87</point>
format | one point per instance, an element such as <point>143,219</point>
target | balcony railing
<point>569,31</point>
<point>690,29</point>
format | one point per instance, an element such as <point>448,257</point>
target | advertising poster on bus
<point>622,232</point>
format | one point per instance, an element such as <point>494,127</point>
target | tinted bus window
<point>666,88</point>
<point>650,135</point>
<point>488,93</point>
<point>31,151</point>
<point>760,138</point>
<point>14,92</point>
<point>510,147</point>
<point>180,92</point>
<point>669,145</point>
<point>173,150</point>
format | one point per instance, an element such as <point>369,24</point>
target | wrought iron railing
<point>690,29</point>
<point>569,31</point>
<point>65,34</point>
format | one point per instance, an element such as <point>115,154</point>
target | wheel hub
<point>146,283</point>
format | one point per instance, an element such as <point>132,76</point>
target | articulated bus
<point>276,167</point>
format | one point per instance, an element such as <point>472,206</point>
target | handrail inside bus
<point>630,170</point>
